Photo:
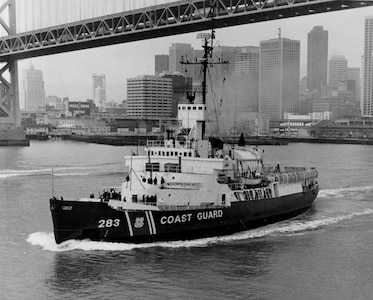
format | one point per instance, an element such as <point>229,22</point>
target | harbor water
<point>325,253</point>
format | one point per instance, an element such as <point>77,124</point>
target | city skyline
<point>124,61</point>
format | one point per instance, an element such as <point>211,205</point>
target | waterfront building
<point>34,94</point>
<point>99,89</point>
<point>279,77</point>
<point>338,73</point>
<point>149,97</point>
<point>317,59</point>
<point>161,64</point>
<point>367,103</point>
<point>54,102</point>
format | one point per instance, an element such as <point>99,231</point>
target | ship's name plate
<point>183,218</point>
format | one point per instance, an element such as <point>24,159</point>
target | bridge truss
<point>161,20</point>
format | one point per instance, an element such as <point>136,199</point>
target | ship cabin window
<point>185,154</point>
<point>189,108</point>
<point>200,108</point>
<point>163,153</point>
<point>180,153</point>
<point>183,108</point>
<point>167,153</point>
<point>194,108</point>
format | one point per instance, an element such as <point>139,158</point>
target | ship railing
<point>293,177</point>
<point>168,207</point>
<point>254,194</point>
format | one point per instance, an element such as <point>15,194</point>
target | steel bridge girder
<point>161,20</point>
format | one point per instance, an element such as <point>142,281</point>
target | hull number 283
<point>108,223</point>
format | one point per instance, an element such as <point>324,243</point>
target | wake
<point>288,228</point>
<point>63,171</point>
<point>345,192</point>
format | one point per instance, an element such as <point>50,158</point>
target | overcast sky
<point>70,74</point>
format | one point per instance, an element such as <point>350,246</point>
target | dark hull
<point>99,222</point>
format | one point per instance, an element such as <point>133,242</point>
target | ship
<point>187,186</point>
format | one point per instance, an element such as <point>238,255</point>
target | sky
<point>70,74</point>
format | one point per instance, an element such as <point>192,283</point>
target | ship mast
<point>206,61</point>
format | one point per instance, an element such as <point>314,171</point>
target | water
<point>323,254</point>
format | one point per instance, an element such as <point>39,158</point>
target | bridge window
<point>152,167</point>
<point>175,168</point>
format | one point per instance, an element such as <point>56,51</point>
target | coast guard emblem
<point>139,222</point>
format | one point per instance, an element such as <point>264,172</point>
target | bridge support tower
<point>11,131</point>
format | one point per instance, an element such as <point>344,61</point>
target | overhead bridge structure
<point>146,23</point>
<point>161,20</point>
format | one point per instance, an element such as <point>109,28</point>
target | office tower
<point>353,83</point>
<point>247,60</point>
<point>160,64</point>
<point>149,97</point>
<point>99,89</point>
<point>177,53</point>
<point>367,103</point>
<point>181,88</point>
<point>338,73</point>
<point>279,77</point>
<point>34,90</point>
<point>317,59</point>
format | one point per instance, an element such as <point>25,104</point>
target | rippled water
<point>322,254</point>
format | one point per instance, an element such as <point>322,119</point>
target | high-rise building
<point>317,59</point>
<point>247,60</point>
<point>99,89</point>
<point>338,73</point>
<point>181,52</point>
<point>161,64</point>
<point>34,93</point>
<point>279,77</point>
<point>149,97</point>
<point>353,83</point>
<point>181,88</point>
<point>367,103</point>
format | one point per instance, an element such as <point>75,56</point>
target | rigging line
<point>217,111</point>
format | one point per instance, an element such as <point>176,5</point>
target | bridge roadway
<point>160,20</point>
